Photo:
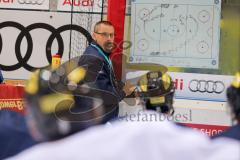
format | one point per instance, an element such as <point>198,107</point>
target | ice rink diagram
<point>171,33</point>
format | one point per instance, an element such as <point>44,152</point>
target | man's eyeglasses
<point>106,35</point>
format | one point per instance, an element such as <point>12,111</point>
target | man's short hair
<point>108,23</point>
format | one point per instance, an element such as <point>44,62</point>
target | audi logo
<point>38,2</point>
<point>102,3</point>
<point>25,32</point>
<point>208,86</point>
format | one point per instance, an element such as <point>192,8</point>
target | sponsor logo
<point>210,130</point>
<point>11,104</point>
<point>178,83</point>
<point>78,2</point>
<point>25,33</point>
<point>208,86</point>
<point>33,2</point>
<point>6,1</point>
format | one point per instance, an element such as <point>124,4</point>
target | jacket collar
<point>95,43</point>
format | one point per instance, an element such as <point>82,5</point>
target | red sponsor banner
<point>116,14</point>
<point>11,98</point>
<point>210,130</point>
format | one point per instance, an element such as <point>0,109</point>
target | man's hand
<point>128,88</point>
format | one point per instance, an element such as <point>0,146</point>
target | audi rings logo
<point>38,2</point>
<point>25,32</point>
<point>102,4</point>
<point>208,86</point>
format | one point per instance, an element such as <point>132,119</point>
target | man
<point>101,48</point>
<point>233,98</point>
<point>1,77</point>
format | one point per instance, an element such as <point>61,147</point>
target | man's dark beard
<point>107,47</point>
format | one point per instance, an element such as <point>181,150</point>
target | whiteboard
<point>176,33</point>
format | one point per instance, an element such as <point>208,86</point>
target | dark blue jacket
<point>104,79</point>
<point>232,132</point>
<point>14,135</point>
<point>1,77</point>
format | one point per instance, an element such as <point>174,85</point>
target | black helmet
<point>157,89</point>
<point>51,95</point>
<point>233,96</point>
